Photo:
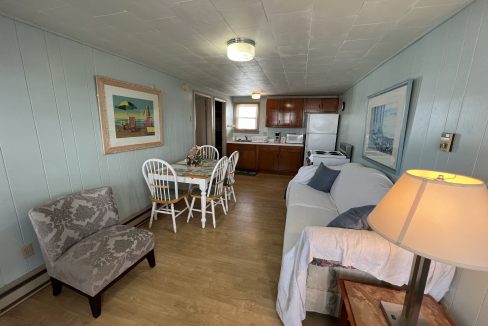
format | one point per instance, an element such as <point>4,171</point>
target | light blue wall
<point>50,142</point>
<point>450,68</point>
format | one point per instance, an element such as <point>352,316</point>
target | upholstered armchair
<point>83,245</point>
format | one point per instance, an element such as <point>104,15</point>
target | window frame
<point>236,105</point>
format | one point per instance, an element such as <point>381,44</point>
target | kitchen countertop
<point>272,144</point>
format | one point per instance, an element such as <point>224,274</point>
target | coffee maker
<point>277,137</point>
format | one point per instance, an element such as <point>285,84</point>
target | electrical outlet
<point>27,250</point>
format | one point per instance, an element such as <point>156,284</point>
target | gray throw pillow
<point>323,179</point>
<point>355,218</point>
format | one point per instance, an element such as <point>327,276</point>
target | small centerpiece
<point>194,156</point>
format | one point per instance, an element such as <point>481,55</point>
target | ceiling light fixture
<point>240,49</point>
<point>255,95</point>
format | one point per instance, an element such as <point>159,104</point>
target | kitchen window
<point>246,116</point>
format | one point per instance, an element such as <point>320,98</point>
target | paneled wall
<point>450,69</point>
<point>50,142</point>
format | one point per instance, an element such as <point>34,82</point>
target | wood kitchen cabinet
<point>279,159</point>
<point>247,156</point>
<point>267,158</point>
<point>284,113</point>
<point>321,105</point>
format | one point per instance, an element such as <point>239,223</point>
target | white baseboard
<point>23,291</point>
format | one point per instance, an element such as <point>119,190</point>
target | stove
<point>315,157</point>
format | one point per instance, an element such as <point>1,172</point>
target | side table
<point>361,305</point>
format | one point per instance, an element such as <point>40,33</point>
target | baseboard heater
<point>38,279</point>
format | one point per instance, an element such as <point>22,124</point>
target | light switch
<point>447,139</point>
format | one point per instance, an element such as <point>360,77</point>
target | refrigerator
<point>321,131</point>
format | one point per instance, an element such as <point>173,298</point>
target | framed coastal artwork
<point>131,116</point>
<point>386,123</point>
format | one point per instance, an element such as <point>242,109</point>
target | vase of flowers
<point>194,156</point>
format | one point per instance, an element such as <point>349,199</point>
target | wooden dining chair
<point>230,178</point>
<point>161,180</point>
<point>215,190</point>
<point>209,152</point>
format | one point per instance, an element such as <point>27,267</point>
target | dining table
<point>197,175</point>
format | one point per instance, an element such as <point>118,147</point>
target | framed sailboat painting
<point>386,122</point>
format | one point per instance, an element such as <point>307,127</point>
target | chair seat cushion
<point>95,261</point>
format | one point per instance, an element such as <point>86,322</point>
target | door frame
<point>208,96</point>
<point>224,122</point>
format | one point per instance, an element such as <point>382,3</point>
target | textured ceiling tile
<point>245,17</point>
<point>425,16</point>
<point>428,3</point>
<point>383,11</point>
<point>197,12</point>
<point>152,9</point>
<point>302,47</point>
<point>285,6</point>
<point>357,45</point>
<point>101,8</point>
<point>371,31</point>
<point>233,4</point>
<point>337,8</point>
<point>290,22</point>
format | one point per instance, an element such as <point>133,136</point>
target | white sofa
<point>355,186</point>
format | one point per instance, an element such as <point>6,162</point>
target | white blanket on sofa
<point>364,250</point>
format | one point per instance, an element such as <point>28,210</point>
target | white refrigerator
<point>321,131</point>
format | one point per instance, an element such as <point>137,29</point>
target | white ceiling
<point>318,47</point>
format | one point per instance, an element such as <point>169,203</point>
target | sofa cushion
<point>357,186</point>
<point>95,261</point>
<point>323,178</point>
<point>306,206</point>
<point>355,218</point>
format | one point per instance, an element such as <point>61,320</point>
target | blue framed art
<point>386,122</point>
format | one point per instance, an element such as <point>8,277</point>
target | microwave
<point>294,138</point>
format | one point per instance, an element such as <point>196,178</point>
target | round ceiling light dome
<point>256,95</point>
<point>240,49</point>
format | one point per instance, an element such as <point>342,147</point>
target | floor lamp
<point>438,216</point>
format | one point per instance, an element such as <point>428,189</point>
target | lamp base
<point>393,312</point>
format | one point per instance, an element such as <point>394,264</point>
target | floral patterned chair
<point>83,245</point>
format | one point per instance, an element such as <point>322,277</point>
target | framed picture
<point>386,122</point>
<point>131,116</point>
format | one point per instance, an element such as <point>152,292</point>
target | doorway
<point>219,134</point>
<point>204,119</point>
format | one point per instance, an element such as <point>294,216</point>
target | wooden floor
<point>222,276</point>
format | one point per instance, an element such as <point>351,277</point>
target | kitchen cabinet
<point>321,105</point>
<point>279,159</point>
<point>247,156</point>
<point>268,158</point>
<point>284,113</point>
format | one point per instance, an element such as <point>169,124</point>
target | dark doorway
<point>219,106</point>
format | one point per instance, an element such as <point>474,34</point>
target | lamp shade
<point>437,215</point>
<point>239,49</point>
<point>256,95</point>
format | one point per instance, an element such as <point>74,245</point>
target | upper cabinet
<point>321,105</point>
<point>284,112</point>
<point>288,112</point>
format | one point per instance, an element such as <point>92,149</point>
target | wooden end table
<point>361,305</point>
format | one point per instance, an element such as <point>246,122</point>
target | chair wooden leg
<point>213,212</point>
<point>222,202</point>
<point>233,193</point>
<point>225,196</point>
<point>173,217</point>
<point>151,259</point>
<point>96,305</point>
<point>190,210</point>
<point>152,214</point>
<point>57,286</point>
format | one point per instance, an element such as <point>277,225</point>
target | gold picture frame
<point>131,116</point>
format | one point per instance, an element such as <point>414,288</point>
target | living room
<point>54,143</point>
